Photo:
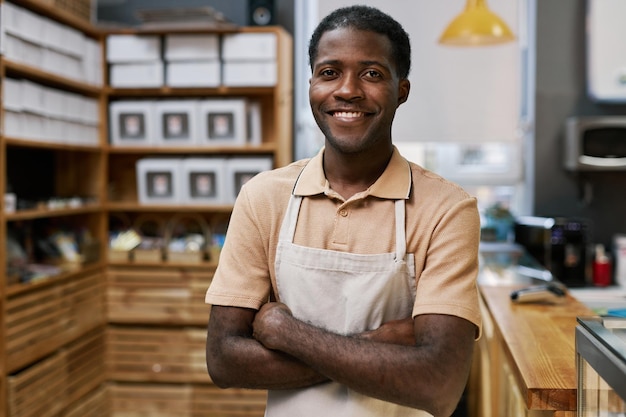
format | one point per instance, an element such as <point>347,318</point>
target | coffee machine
<point>560,244</point>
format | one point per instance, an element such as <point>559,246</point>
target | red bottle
<point>601,268</point>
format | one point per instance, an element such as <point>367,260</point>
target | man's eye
<point>372,74</point>
<point>327,73</point>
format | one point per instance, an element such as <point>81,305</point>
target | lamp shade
<point>476,26</point>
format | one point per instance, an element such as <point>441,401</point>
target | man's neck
<point>349,174</point>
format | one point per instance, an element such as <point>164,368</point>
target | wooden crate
<point>211,401</point>
<point>157,354</point>
<point>149,400</point>
<point>41,321</point>
<point>94,404</point>
<point>152,400</point>
<point>39,391</point>
<point>158,295</point>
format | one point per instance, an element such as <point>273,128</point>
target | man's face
<point>354,90</point>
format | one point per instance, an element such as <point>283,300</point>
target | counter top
<point>539,341</point>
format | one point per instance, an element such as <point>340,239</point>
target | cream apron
<point>344,293</point>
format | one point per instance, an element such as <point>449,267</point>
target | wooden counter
<point>525,362</point>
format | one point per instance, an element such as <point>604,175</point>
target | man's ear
<point>404,86</point>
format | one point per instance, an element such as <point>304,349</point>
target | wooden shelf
<point>41,144</point>
<point>48,213</point>
<point>187,92</point>
<point>18,70</point>
<point>17,289</point>
<point>265,148</point>
<point>140,208</point>
<point>47,9</point>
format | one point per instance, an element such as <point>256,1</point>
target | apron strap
<point>400,230</point>
<point>288,228</point>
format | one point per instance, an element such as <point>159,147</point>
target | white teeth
<point>348,114</point>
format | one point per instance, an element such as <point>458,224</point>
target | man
<point>346,285</point>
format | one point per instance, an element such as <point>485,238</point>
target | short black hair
<point>369,19</point>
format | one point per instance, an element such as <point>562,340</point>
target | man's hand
<point>399,332</point>
<point>268,322</point>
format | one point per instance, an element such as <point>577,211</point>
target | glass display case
<point>601,366</point>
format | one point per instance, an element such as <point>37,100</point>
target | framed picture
<point>203,180</point>
<point>158,180</point>
<point>241,170</point>
<point>176,122</point>
<point>223,122</point>
<point>131,123</point>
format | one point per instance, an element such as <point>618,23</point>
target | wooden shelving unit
<point>82,337</point>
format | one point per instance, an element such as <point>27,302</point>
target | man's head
<point>367,19</point>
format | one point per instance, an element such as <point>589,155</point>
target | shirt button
<point>343,213</point>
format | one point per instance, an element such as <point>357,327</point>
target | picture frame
<point>223,122</point>
<point>241,170</point>
<point>203,180</point>
<point>132,123</point>
<point>176,122</point>
<point>159,180</point>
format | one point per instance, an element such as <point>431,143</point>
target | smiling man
<point>347,282</point>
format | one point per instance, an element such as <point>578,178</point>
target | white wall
<point>457,94</point>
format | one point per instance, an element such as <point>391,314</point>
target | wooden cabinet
<point>52,165</point>
<point>524,364</point>
<point>99,332</point>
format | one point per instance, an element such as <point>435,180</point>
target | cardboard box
<point>196,47</point>
<point>12,94</point>
<point>203,181</point>
<point>147,74</point>
<point>176,122</point>
<point>241,170</point>
<point>193,74</point>
<point>249,47</point>
<point>131,123</point>
<point>159,180</point>
<point>250,73</point>
<point>133,48</point>
<point>13,123</point>
<point>32,97</point>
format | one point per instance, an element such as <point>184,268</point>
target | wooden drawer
<point>40,321</point>
<point>158,295</point>
<point>156,354</point>
<point>86,368</point>
<point>152,400</point>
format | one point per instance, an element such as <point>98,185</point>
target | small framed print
<point>131,123</point>
<point>223,122</point>
<point>158,180</point>
<point>241,170</point>
<point>176,122</point>
<point>203,180</point>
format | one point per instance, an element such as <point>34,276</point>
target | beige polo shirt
<point>442,228</point>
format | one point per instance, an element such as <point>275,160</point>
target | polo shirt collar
<point>394,183</point>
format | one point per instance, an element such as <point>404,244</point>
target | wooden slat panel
<point>41,321</point>
<point>168,355</point>
<point>135,400</point>
<point>95,404</point>
<point>211,401</point>
<point>39,391</point>
<point>85,365</point>
<point>157,295</point>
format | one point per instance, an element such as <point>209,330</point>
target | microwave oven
<point>595,143</point>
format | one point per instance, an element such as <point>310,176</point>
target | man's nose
<point>349,88</point>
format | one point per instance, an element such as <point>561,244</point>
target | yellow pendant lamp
<point>476,26</point>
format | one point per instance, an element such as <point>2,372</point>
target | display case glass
<point>601,366</point>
